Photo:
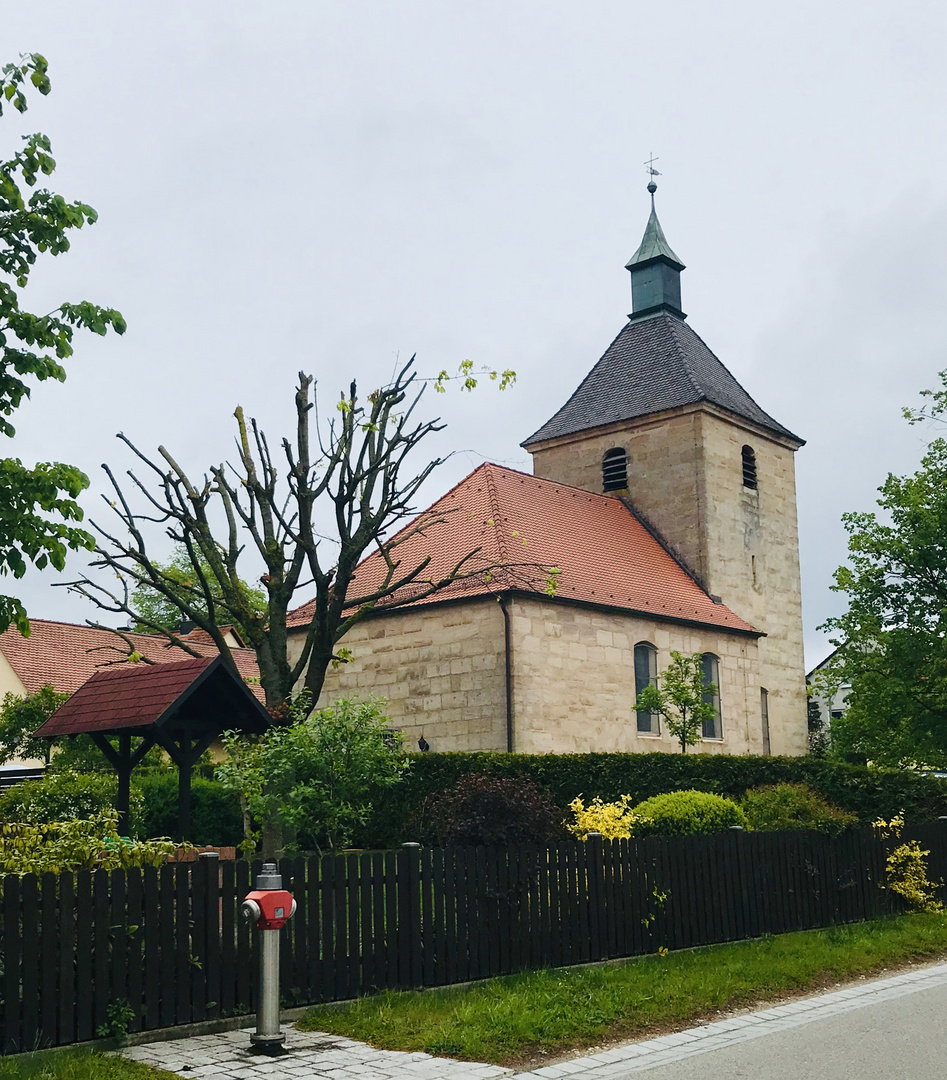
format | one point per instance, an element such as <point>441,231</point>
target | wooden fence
<point>158,947</point>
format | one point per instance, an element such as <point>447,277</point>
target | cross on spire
<point>652,173</point>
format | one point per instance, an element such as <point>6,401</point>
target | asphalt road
<point>903,1039</point>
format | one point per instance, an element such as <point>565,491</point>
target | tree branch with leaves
<point>681,695</point>
<point>38,508</point>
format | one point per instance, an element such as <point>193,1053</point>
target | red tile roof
<point>139,695</point>
<point>604,553</point>
<point>64,655</point>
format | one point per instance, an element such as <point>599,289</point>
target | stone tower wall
<point>685,476</point>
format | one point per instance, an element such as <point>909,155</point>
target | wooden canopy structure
<point>181,706</point>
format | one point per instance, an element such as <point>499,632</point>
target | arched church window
<point>646,674</point>
<point>749,467</point>
<point>710,667</point>
<point>614,470</point>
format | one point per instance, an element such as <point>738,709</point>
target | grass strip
<point>521,1019</point>
<point>78,1065</point>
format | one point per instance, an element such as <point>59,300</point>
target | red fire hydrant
<point>269,906</point>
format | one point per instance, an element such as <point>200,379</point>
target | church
<point>663,499</point>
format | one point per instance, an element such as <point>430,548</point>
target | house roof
<point>605,555</point>
<point>64,655</point>
<point>132,697</point>
<point>656,363</point>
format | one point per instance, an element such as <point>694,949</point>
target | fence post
<point>409,915</point>
<point>595,886</point>
<point>209,864</point>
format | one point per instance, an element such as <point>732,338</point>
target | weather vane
<point>652,173</point>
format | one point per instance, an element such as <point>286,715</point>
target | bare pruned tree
<point>358,470</point>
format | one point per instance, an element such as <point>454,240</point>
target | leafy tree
<point>38,505</point>
<point>20,717</point>
<point>339,495</point>
<point>315,777</point>
<point>681,696</point>
<point>893,638</point>
<point>154,612</point>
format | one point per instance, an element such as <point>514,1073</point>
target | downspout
<point>508,649</point>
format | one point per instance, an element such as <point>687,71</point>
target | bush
<point>614,820</point>
<point>63,796</point>
<point>794,806</point>
<point>686,813</point>
<point>866,792</point>
<point>83,843</point>
<point>495,810</point>
<point>216,818</point>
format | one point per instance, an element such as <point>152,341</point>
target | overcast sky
<point>330,186</point>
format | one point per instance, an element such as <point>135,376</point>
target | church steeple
<point>655,271</point>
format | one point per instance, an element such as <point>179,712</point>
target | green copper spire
<point>655,270</point>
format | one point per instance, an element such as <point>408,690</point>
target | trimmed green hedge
<point>401,814</point>
<point>215,812</point>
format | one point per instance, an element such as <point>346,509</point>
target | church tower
<point>661,424</point>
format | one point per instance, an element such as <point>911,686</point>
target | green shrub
<point>866,792</point>
<point>82,843</point>
<point>62,796</point>
<point>686,813</point>
<point>793,806</point>
<point>216,818</point>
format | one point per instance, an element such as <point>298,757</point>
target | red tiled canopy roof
<point>138,696</point>
<point>604,554</point>
<point>64,655</point>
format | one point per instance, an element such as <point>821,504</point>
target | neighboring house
<point>64,655</point>
<point>665,496</point>
<point>831,697</point>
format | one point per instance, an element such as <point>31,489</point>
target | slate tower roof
<point>657,362</point>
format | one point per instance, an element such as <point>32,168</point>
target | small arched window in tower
<point>646,674</point>
<point>749,468</point>
<point>615,470</point>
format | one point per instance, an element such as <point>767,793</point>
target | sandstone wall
<point>442,668</point>
<point>574,682</point>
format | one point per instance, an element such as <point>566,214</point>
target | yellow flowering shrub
<point>905,868</point>
<point>614,820</point>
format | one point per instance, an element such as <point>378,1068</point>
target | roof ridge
<point>494,499</point>
<point>682,355</point>
<point>585,378</point>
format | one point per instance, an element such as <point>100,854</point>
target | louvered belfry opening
<point>749,467</point>
<point>615,470</point>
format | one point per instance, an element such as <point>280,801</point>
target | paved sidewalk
<point>316,1056</point>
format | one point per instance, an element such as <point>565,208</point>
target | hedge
<point>215,812</point>
<point>401,814</point>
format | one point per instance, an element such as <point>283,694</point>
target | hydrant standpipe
<point>269,906</point>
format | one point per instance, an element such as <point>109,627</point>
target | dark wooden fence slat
<point>68,987</point>
<point>152,948</point>
<point>100,946</point>
<point>354,966</point>
<point>183,968</point>
<point>134,942</point>
<point>166,939</point>
<point>198,921</point>
<point>118,940</point>
<point>49,959</point>
<point>245,975</point>
<point>85,1027</point>
<point>300,931</point>
<point>29,987</point>
<point>12,954</point>
<point>228,936</point>
<point>212,947</point>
